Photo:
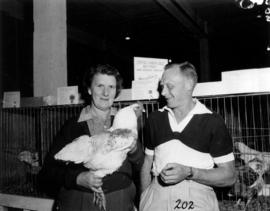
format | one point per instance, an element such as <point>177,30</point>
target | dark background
<point>237,38</point>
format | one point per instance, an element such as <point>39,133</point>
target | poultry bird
<point>259,162</point>
<point>105,152</point>
<point>31,159</point>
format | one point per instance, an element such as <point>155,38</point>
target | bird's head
<point>126,118</point>
<point>138,109</point>
<point>28,157</point>
<point>258,165</point>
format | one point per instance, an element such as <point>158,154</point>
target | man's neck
<point>181,111</point>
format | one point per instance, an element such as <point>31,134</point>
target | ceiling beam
<point>186,16</point>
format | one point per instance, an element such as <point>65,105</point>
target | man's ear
<point>89,91</point>
<point>189,84</point>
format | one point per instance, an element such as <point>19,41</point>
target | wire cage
<point>247,118</point>
<point>27,133</point>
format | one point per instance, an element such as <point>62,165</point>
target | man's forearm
<point>146,172</point>
<point>222,176</point>
<point>145,179</point>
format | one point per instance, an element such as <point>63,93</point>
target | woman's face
<point>103,91</point>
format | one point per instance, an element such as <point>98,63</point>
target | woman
<point>73,184</point>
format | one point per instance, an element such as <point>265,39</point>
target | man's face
<point>174,87</point>
<point>103,91</point>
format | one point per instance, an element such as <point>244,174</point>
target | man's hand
<point>174,173</point>
<point>88,179</point>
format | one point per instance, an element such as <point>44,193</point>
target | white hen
<point>105,152</point>
<point>248,154</point>
<point>259,162</point>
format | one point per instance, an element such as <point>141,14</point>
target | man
<point>188,149</point>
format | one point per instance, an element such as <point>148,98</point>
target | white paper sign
<point>67,95</point>
<point>144,89</point>
<point>148,68</point>
<point>125,95</point>
<point>12,99</point>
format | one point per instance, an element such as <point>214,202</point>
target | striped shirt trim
<point>224,159</point>
<point>149,152</point>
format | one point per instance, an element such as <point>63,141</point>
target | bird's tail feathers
<point>77,151</point>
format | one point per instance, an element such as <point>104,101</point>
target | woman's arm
<point>55,174</point>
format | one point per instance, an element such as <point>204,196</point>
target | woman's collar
<point>86,113</point>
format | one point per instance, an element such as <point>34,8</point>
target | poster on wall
<point>144,90</point>
<point>12,99</point>
<point>147,73</point>
<point>148,68</point>
<point>67,95</point>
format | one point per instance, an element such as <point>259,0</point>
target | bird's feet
<point>100,200</point>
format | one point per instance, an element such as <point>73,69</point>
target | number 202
<point>189,205</point>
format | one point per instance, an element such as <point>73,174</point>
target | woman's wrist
<point>79,179</point>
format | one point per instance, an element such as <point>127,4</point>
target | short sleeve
<point>221,146</point>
